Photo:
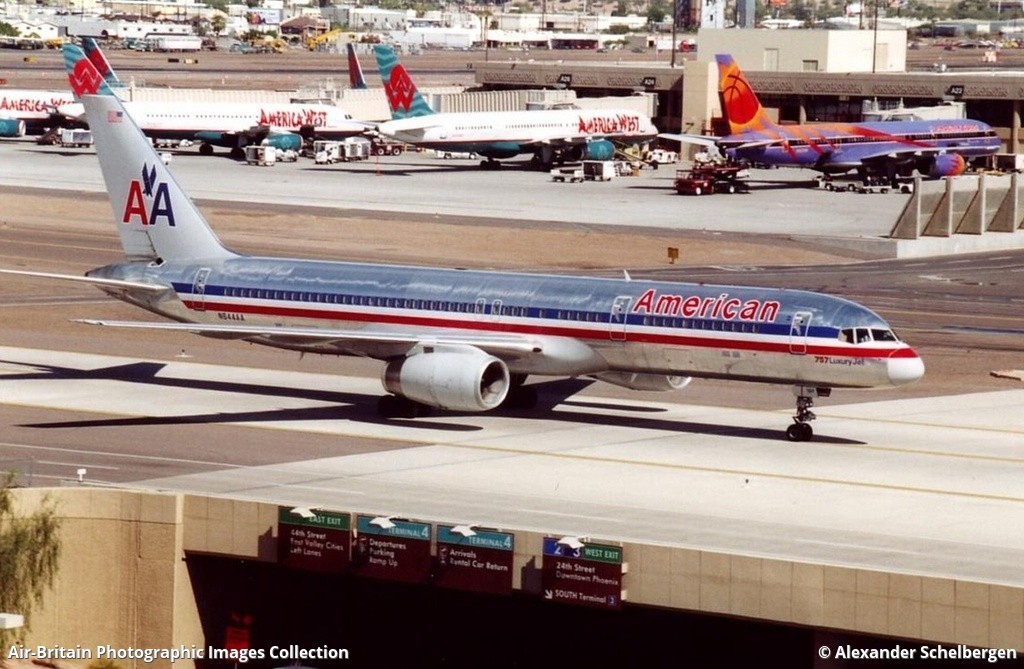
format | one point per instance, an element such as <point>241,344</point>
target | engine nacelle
<point>462,378</point>
<point>638,381</point>
<point>600,149</point>
<point>285,141</point>
<point>947,165</point>
<point>12,127</point>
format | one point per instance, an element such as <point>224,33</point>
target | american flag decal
<point>115,116</point>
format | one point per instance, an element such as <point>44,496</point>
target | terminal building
<point>799,75</point>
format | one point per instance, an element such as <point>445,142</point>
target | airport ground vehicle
<point>599,170</point>
<point>76,137</point>
<point>571,173</point>
<point>1008,162</point>
<point>258,154</point>
<point>328,152</point>
<point>447,155</point>
<point>708,178</point>
<point>384,147</point>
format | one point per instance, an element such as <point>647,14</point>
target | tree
<point>29,557</point>
<point>7,30</point>
<point>218,23</point>
<point>657,12</point>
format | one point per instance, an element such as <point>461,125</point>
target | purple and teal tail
<point>403,97</point>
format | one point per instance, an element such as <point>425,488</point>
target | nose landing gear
<point>801,429</point>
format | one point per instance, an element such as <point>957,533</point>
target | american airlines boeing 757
<point>467,340</point>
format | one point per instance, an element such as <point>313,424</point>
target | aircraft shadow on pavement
<point>362,408</point>
<point>72,153</point>
<point>389,172</point>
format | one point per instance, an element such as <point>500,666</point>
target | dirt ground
<point>461,242</point>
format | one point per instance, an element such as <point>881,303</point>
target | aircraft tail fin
<point>355,69</point>
<point>403,97</point>
<point>740,105</point>
<point>84,76</point>
<point>156,219</point>
<point>99,60</point>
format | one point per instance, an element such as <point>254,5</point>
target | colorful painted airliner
<point>29,111</point>
<point>550,135</point>
<point>887,149</point>
<point>32,112</point>
<point>228,124</point>
<point>467,340</point>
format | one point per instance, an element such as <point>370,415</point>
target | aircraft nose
<point>904,367</point>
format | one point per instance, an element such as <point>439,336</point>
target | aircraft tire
<point>521,397</point>
<point>205,149</point>
<point>396,406</point>
<point>799,432</point>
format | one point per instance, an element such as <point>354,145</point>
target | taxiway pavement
<point>921,486</point>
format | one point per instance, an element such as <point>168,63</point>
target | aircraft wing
<point>700,140</point>
<point>716,142</point>
<point>507,346</point>
<point>758,144</point>
<point>908,152</point>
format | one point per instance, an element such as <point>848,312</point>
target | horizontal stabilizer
<point>96,281</point>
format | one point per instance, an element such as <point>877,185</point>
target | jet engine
<point>947,165</point>
<point>637,381</point>
<point>12,127</point>
<point>462,378</point>
<point>599,149</point>
<point>285,141</point>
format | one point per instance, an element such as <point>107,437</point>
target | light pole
<point>874,40</point>
<point>675,17</point>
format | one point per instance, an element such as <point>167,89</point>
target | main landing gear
<point>801,429</point>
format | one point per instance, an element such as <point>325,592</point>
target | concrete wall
<point>123,580</point>
<point>791,50</point>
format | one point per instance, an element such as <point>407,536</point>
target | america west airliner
<point>29,111</point>
<point>887,149</point>
<point>549,135</point>
<point>228,124</point>
<point>467,340</point>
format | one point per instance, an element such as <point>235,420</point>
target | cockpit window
<point>863,335</point>
<point>883,335</point>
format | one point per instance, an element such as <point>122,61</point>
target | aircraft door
<point>199,289</point>
<point>798,331</point>
<point>617,319</point>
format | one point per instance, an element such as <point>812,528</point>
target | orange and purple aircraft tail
<point>740,105</point>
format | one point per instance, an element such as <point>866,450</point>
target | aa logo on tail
<point>148,191</point>
<point>400,89</point>
<point>84,78</point>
